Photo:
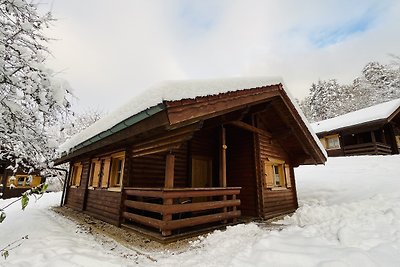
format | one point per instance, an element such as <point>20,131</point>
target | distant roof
<point>151,101</point>
<point>365,115</point>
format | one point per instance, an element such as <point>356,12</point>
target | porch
<point>170,211</point>
<point>370,148</point>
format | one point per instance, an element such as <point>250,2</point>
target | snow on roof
<point>176,90</point>
<point>374,113</point>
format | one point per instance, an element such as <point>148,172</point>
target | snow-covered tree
<point>32,99</point>
<point>79,122</point>
<point>74,125</point>
<point>324,100</point>
<point>377,83</point>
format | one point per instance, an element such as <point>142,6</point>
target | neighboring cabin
<point>14,184</point>
<point>187,155</point>
<point>370,131</point>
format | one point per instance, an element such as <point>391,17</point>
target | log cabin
<point>14,184</point>
<point>370,131</point>
<point>188,155</point>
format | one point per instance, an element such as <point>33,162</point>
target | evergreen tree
<point>378,83</point>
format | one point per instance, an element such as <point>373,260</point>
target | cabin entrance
<point>201,172</point>
<point>201,175</point>
<point>241,168</point>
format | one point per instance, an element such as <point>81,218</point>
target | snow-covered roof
<point>175,90</point>
<point>370,114</point>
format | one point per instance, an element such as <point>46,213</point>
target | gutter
<point>65,184</point>
<point>116,128</point>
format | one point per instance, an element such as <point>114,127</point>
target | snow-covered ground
<point>349,215</point>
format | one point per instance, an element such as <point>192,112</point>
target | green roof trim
<point>121,125</point>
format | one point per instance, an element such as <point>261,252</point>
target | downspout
<point>65,184</point>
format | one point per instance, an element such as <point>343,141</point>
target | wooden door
<point>201,175</point>
<point>201,172</point>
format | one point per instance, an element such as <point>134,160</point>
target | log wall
<point>149,170</point>
<point>276,202</point>
<point>75,197</point>
<point>104,205</point>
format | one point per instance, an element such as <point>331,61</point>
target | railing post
<point>234,209</point>
<point>169,183</point>
<point>169,171</point>
<point>166,217</point>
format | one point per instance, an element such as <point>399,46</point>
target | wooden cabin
<point>370,131</point>
<point>201,154</point>
<point>14,184</point>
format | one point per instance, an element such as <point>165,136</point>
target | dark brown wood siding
<point>149,170</point>
<point>241,168</point>
<point>335,152</point>
<point>76,195</point>
<point>104,205</point>
<point>205,143</point>
<point>74,198</point>
<point>276,202</point>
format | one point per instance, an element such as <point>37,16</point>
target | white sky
<point>111,50</point>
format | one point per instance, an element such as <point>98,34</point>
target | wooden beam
<point>169,183</point>
<point>212,106</point>
<point>177,224</point>
<point>143,220</point>
<point>179,208</point>
<point>182,192</point>
<point>169,171</point>
<point>250,128</point>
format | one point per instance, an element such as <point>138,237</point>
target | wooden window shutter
<point>288,176</point>
<point>106,173</point>
<point>268,175</point>
<point>78,175</point>
<point>96,173</point>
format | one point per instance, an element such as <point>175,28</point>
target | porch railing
<point>174,209</point>
<point>368,149</point>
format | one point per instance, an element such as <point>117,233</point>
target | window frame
<point>76,174</point>
<point>95,170</point>
<point>25,178</point>
<point>332,137</point>
<point>104,167</point>
<point>114,176</point>
<point>270,165</point>
<point>398,140</point>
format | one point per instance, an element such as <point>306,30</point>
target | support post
<point>374,142</point>
<point>169,183</point>
<point>169,171</point>
<point>223,164</point>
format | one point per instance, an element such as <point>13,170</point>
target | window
<point>108,171</point>
<point>23,181</point>
<point>76,174</point>
<point>398,140</point>
<point>28,180</point>
<point>117,169</point>
<point>332,142</point>
<point>277,174</point>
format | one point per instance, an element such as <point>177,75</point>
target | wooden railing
<point>174,209</point>
<point>368,149</point>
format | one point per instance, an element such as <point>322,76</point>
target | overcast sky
<point>111,50</point>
